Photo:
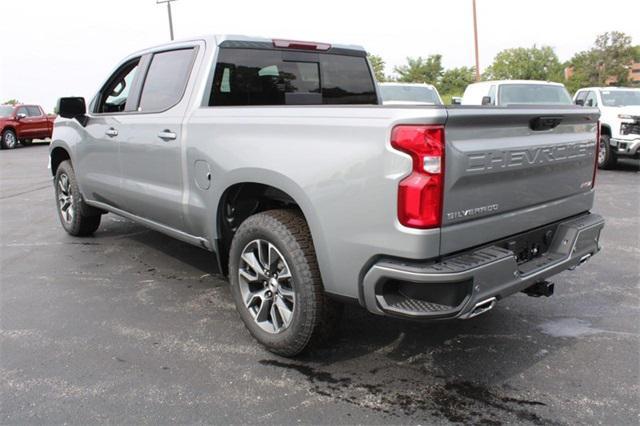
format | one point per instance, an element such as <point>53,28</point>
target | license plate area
<point>531,244</point>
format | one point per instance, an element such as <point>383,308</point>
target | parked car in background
<point>277,156</point>
<point>619,121</point>
<point>409,94</point>
<point>22,124</point>
<point>516,92</point>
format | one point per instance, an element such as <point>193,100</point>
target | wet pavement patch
<point>459,402</point>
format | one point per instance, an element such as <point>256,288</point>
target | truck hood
<point>628,110</point>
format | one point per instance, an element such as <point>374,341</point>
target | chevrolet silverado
<point>278,156</point>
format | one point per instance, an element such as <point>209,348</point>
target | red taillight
<point>595,164</point>
<point>304,45</point>
<point>420,193</point>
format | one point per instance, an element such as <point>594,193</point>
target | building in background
<point>634,75</point>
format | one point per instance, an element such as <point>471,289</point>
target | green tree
<point>420,70</point>
<point>521,63</point>
<point>377,63</point>
<point>608,59</point>
<point>12,102</point>
<point>455,80</point>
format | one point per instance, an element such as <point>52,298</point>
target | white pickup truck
<point>619,121</point>
<point>278,156</point>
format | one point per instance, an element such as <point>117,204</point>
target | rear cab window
<point>254,77</point>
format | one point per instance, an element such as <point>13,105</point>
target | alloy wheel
<point>602,153</point>
<point>266,286</point>
<point>10,140</point>
<point>65,198</point>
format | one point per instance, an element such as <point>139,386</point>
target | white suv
<point>619,121</point>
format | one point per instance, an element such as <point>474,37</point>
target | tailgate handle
<point>544,123</point>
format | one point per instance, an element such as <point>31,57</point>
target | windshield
<point>419,94</point>
<point>615,98</point>
<point>533,94</point>
<point>6,110</point>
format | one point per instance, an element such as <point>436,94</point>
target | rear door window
<point>166,80</point>
<point>245,77</point>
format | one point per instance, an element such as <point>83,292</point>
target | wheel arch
<point>265,190</point>
<point>58,155</point>
<point>605,129</point>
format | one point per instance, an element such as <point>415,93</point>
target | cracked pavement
<point>131,326</point>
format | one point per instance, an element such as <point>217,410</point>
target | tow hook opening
<point>482,307</point>
<point>542,288</point>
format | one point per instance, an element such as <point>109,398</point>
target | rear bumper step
<point>469,284</point>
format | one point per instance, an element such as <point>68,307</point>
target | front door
<point>97,160</point>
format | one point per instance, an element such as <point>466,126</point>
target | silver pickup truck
<point>278,156</point>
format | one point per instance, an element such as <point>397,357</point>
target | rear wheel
<point>9,140</point>
<point>76,217</point>
<point>606,157</point>
<point>276,283</point>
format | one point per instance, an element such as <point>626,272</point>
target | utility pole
<point>168,2</point>
<point>475,40</point>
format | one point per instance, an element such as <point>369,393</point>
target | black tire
<point>607,159</point>
<point>315,316</point>
<point>78,219</point>
<point>8,140</point>
<point>26,142</point>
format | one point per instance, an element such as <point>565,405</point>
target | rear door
<point>150,140</point>
<point>510,170</point>
<point>39,121</point>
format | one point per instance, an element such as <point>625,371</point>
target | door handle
<point>167,135</point>
<point>111,132</point>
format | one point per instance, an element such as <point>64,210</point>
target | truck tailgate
<point>511,170</point>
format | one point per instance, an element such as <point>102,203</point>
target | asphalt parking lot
<point>130,326</point>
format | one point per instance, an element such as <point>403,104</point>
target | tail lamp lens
<point>420,193</point>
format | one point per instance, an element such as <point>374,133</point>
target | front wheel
<point>276,283</point>
<point>76,217</point>
<point>606,157</point>
<point>8,140</point>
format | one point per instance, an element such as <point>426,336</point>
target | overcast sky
<point>68,47</point>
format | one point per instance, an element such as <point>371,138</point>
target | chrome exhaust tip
<point>482,307</point>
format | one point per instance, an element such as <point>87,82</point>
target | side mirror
<point>20,116</point>
<point>579,102</point>
<point>73,107</point>
<point>456,100</point>
<point>486,100</point>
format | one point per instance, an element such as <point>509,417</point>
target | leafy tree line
<point>609,59</point>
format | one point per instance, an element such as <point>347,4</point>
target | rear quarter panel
<point>336,162</point>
